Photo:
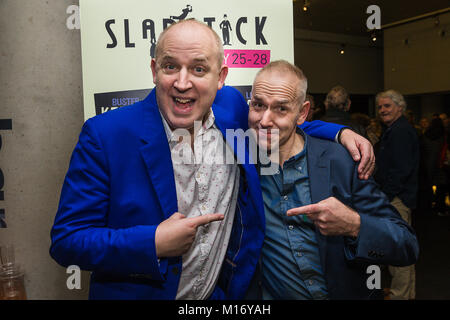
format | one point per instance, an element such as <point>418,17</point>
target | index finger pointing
<point>206,218</point>
<point>309,209</point>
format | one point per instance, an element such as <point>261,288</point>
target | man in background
<point>397,174</point>
<point>337,105</point>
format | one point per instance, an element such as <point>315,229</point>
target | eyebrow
<point>167,57</point>
<point>164,59</point>
<point>282,101</point>
<point>201,59</point>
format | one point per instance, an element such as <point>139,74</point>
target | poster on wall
<point>118,40</point>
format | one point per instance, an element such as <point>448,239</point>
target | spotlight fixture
<point>306,5</point>
<point>342,50</point>
<point>374,37</point>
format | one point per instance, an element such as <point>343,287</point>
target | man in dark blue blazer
<point>324,226</point>
<point>121,210</point>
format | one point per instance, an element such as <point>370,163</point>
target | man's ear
<point>153,66</point>
<point>303,112</point>
<point>222,76</point>
<point>349,104</point>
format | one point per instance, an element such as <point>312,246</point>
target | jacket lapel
<point>157,157</point>
<point>319,170</point>
<point>319,173</point>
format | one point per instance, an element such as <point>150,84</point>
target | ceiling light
<point>306,5</point>
<point>374,37</point>
<point>342,50</point>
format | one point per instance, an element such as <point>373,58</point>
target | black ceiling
<point>349,16</point>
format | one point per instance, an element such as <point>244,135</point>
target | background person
<point>337,105</point>
<point>397,174</point>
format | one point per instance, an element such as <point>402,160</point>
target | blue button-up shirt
<point>291,266</point>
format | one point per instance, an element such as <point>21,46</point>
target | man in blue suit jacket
<point>324,226</point>
<point>119,210</point>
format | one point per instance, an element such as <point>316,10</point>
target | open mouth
<point>183,105</point>
<point>183,101</point>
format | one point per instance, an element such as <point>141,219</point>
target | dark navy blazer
<point>384,237</point>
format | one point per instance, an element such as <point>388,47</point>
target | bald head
<point>193,24</point>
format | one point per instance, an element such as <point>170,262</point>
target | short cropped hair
<point>285,66</point>
<point>337,98</point>
<point>395,96</point>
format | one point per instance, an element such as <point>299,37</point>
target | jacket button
<point>175,270</point>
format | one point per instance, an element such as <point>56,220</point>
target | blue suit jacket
<point>120,185</point>
<point>384,237</point>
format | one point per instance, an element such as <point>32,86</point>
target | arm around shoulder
<point>322,129</point>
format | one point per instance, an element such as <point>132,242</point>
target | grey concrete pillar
<point>41,92</point>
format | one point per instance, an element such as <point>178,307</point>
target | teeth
<point>182,100</point>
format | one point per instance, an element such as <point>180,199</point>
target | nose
<point>266,120</point>
<point>183,81</point>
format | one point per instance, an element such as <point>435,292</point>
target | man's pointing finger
<point>207,218</point>
<point>309,209</point>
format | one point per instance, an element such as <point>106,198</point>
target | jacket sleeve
<point>322,129</point>
<point>384,237</point>
<point>81,235</point>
